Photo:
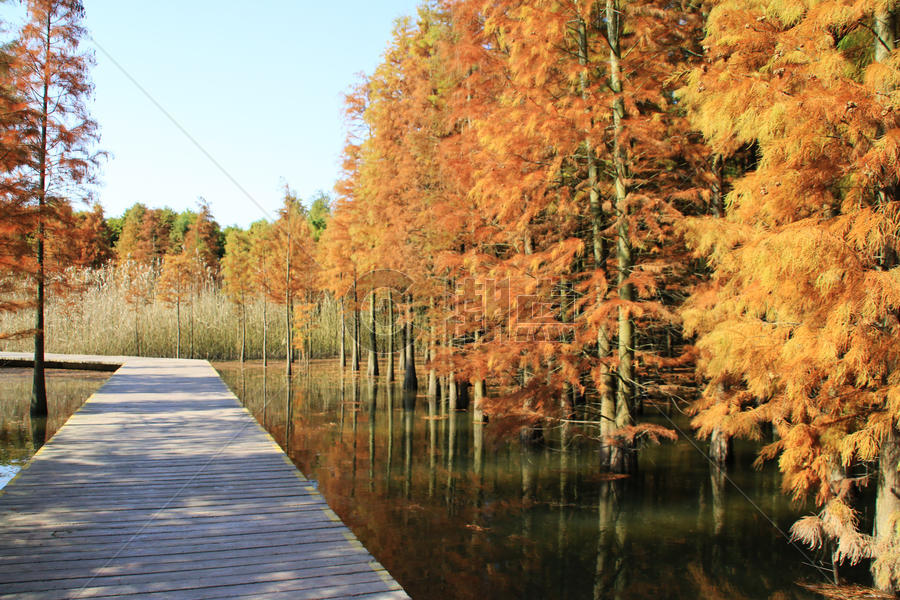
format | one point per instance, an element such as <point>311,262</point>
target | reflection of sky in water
<point>7,472</point>
<point>66,392</point>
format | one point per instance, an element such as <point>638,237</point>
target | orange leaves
<point>238,265</point>
<point>798,325</point>
<point>289,257</point>
<point>642,432</point>
<point>177,278</point>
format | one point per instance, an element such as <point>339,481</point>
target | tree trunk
<point>431,355</point>
<point>354,360</point>
<point>307,327</point>
<point>288,337</point>
<point>192,327</point>
<point>38,407</point>
<point>389,376</point>
<point>885,28</point>
<point>462,395</point>
<point>410,381</point>
<point>401,356</point>
<point>606,387</point>
<point>478,393</point>
<point>178,327</point>
<point>39,383</point>
<point>243,328</point>
<point>343,345</point>
<point>622,460</point>
<point>885,568</point>
<point>288,306</point>
<point>720,447</point>
<point>265,342</point>
<point>137,337</point>
<point>433,389</point>
<point>452,395</point>
<point>372,369</point>
<point>717,189</point>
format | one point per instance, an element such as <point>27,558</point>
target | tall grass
<point>104,317</point>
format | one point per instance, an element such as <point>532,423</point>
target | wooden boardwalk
<point>163,486</point>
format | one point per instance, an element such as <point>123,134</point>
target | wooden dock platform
<point>163,486</point>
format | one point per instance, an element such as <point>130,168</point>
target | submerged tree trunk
<point>372,369</point>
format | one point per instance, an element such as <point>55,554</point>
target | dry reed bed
<point>110,313</point>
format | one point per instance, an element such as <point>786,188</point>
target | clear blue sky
<point>258,85</point>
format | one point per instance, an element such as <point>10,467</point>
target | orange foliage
<point>798,325</point>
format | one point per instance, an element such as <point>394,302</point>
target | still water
<point>19,436</point>
<point>453,512</point>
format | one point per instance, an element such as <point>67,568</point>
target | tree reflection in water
<point>453,512</point>
<point>20,435</point>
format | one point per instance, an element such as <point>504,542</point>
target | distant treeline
<point>146,235</point>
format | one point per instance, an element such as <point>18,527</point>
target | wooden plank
<point>133,552</point>
<point>178,563</point>
<point>219,575</point>
<point>334,586</point>
<point>163,486</point>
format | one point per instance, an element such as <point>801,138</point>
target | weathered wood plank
<point>180,563</point>
<point>163,486</point>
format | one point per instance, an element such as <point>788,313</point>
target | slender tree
<point>237,267</point>
<point>50,72</point>
<point>175,288</point>
<point>260,244</point>
<point>291,264</point>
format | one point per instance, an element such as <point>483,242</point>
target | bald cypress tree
<point>798,324</point>
<point>50,73</point>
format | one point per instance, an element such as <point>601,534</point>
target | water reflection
<point>453,512</point>
<point>20,435</point>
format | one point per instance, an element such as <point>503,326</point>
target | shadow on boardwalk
<point>162,486</point>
